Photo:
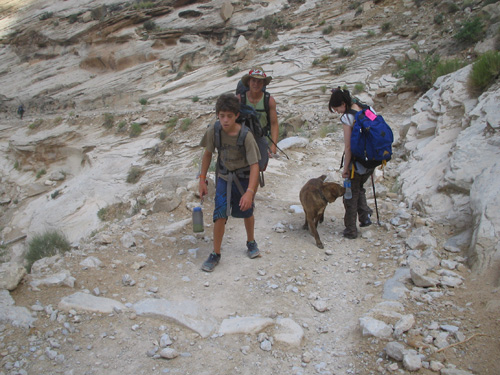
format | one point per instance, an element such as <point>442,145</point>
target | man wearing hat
<point>256,96</point>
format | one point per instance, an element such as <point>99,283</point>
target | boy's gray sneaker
<point>211,262</point>
<point>253,251</point>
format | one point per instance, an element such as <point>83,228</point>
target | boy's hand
<point>202,188</point>
<point>246,201</point>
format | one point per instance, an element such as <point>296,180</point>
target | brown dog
<point>315,196</point>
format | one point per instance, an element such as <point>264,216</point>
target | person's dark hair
<point>229,103</point>
<point>338,97</point>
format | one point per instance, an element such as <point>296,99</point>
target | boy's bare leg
<point>249,226</point>
<point>219,229</point>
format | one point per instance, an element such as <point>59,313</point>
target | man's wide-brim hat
<point>256,73</point>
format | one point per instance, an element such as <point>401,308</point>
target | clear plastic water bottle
<point>348,191</point>
<point>198,220</point>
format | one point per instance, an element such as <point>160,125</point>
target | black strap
<point>267,110</point>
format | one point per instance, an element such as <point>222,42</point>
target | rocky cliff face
<point>71,63</point>
<point>452,145</point>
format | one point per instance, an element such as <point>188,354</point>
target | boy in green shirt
<point>238,176</point>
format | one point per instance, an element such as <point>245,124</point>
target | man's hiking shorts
<point>220,211</point>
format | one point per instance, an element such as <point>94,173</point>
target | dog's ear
<point>332,191</point>
<point>322,177</point>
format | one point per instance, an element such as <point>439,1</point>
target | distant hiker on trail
<point>20,111</point>
<point>256,96</point>
<point>342,102</point>
<point>237,178</point>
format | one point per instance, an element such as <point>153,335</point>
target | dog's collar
<point>322,196</point>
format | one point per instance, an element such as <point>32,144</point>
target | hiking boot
<point>253,251</point>
<point>351,236</point>
<point>211,262</point>
<point>366,223</point>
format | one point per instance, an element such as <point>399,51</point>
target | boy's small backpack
<point>371,139</point>
<point>249,121</point>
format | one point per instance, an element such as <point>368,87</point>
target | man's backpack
<point>249,121</point>
<point>371,139</point>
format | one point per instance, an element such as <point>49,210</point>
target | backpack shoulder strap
<point>241,137</point>
<point>267,96</point>
<point>217,130</point>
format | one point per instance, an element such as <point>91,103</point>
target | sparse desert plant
<point>144,5</point>
<point>470,31</point>
<point>135,130</point>
<point>484,71</point>
<point>323,89</point>
<point>185,124</point>
<point>121,126</point>
<point>150,25</point>
<point>102,213</point>
<point>143,101</point>
<point>16,165</point>
<point>172,122</point>
<point>358,87</point>
<point>438,19</point>
<point>370,33</point>
<point>386,26</point>
<point>134,175</point>
<point>327,30</point>
<point>418,73</point>
<point>58,120</point>
<point>231,72</point>
<point>446,67</point>
<point>195,98</point>
<point>45,245</point>
<point>55,194</point>
<point>452,7</point>
<point>72,18</point>
<point>45,16</point>
<point>109,120</point>
<point>339,69</point>
<point>345,52</point>
<point>327,129</point>
<point>40,173</point>
<point>35,124</point>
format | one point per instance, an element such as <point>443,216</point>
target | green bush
<point>327,30</point>
<point>446,67</point>
<point>345,52</point>
<point>109,120</point>
<point>386,26</point>
<point>323,89</point>
<point>40,173</point>
<point>135,130</point>
<point>339,69</point>
<point>45,16</point>
<point>484,71</point>
<point>73,18</point>
<point>134,175</point>
<point>143,101</point>
<point>185,124</point>
<point>102,214</point>
<point>470,32</point>
<point>370,33</point>
<point>358,87</point>
<point>37,123</point>
<point>144,5</point>
<point>16,165</point>
<point>121,126</point>
<point>453,8</point>
<point>172,122</point>
<point>46,245</point>
<point>418,73</point>
<point>438,19</point>
<point>233,71</point>
<point>150,25</point>
<point>195,99</point>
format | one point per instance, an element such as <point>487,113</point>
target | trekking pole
<point>375,197</point>
<point>279,149</point>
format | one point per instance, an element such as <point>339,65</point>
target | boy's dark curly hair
<point>227,103</point>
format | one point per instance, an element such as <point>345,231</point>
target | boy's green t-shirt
<point>230,152</point>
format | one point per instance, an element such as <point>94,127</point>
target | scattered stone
<point>404,324</point>
<point>395,350</point>
<point>16,315</point>
<point>244,325</point>
<point>11,275</point>
<point>289,332</point>
<point>266,345</point>
<point>169,353</point>
<point>412,362</point>
<point>91,262</point>
<point>374,327</point>
<point>320,305</point>
<point>86,302</point>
